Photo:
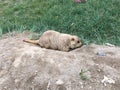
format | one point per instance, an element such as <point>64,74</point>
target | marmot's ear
<point>72,39</point>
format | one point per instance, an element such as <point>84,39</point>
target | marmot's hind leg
<point>66,49</point>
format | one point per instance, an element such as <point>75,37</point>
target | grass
<point>83,75</point>
<point>96,21</point>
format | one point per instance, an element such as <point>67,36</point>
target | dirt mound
<point>25,66</point>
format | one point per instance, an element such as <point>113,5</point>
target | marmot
<point>58,41</point>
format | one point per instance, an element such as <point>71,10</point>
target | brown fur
<point>57,41</point>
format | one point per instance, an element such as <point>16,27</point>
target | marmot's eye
<point>78,41</point>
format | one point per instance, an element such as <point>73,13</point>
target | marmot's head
<point>75,42</point>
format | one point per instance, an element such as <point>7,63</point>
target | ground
<point>26,66</point>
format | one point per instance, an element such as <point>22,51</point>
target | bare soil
<point>26,66</point>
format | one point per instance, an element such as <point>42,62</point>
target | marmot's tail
<point>32,41</point>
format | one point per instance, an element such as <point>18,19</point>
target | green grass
<point>96,21</point>
<point>83,75</point>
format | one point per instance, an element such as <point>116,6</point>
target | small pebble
<point>101,53</point>
<point>59,82</point>
<point>107,80</point>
